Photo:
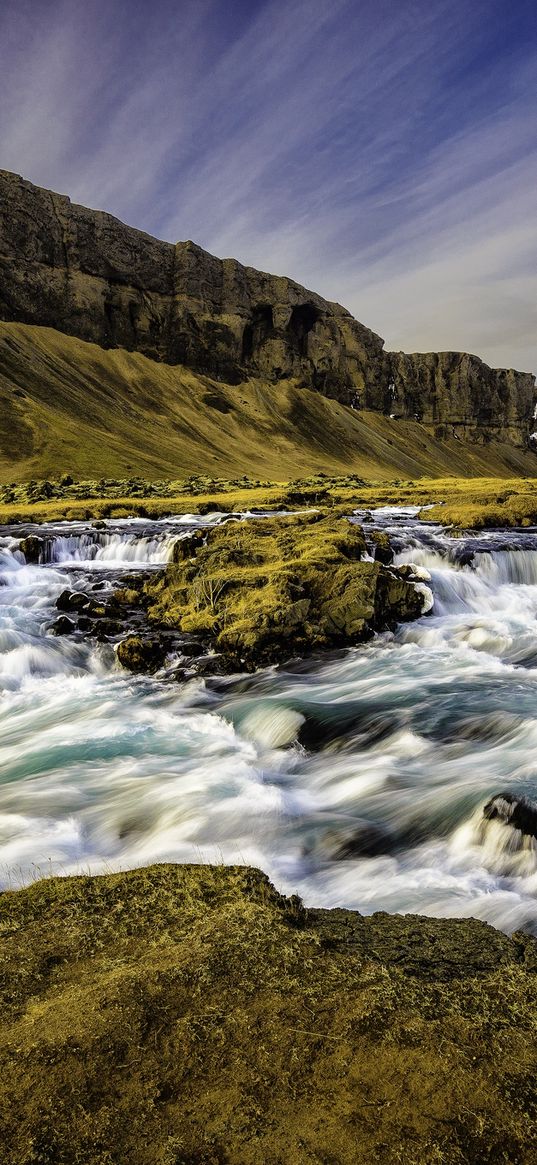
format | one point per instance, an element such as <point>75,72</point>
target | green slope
<point>70,406</point>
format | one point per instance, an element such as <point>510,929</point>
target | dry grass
<point>461,502</point>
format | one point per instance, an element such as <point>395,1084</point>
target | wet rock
<point>382,549</point>
<point>33,548</point>
<point>63,626</point>
<point>519,813</point>
<point>187,547</point>
<point>406,570</point>
<point>72,601</point>
<point>191,649</point>
<point>137,654</point>
<point>181,675</point>
<point>465,558</point>
<point>210,665</point>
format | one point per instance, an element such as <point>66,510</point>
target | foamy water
<point>354,780</point>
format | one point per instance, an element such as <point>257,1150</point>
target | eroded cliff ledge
<point>86,274</point>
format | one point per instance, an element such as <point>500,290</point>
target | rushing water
<point>355,780</point>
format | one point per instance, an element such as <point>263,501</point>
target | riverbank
<point>465,503</point>
<point>190,1015</point>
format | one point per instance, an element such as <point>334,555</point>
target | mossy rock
<point>190,1014</point>
<point>264,590</point>
<point>382,547</point>
<point>140,655</point>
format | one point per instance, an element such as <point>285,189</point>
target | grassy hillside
<point>67,406</point>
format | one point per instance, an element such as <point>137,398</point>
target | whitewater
<point>356,779</point>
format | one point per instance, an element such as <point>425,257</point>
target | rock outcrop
<point>264,591</point>
<point>86,274</point>
<point>458,395</point>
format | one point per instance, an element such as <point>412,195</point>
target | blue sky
<point>382,153</point>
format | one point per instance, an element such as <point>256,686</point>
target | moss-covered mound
<point>264,590</point>
<point>189,1015</point>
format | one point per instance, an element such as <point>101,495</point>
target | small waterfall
<point>508,567</point>
<point>116,549</point>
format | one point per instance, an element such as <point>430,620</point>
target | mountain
<point>178,360</point>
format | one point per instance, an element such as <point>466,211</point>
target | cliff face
<point>458,395</point>
<point>89,275</point>
<point>85,273</point>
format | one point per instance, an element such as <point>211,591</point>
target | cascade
<point>356,780</point>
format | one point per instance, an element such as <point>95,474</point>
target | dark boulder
<point>141,655</point>
<point>33,548</point>
<point>63,626</point>
<point>72,601</point>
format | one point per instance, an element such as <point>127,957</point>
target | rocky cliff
<point>89,275</point>
<point>458,395</point>
<point>86,274</point>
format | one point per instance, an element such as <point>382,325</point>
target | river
<point>356,779</point>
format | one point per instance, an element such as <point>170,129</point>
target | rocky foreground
<point>190,1015</point>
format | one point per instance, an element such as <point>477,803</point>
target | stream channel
<point>354,779</point>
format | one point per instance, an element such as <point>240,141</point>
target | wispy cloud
<point>383,153</point>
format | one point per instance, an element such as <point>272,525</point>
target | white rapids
<point>357,779</point>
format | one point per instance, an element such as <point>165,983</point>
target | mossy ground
<point>462,502</point>
<point>189,1015</point>
<point>264,590</point>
